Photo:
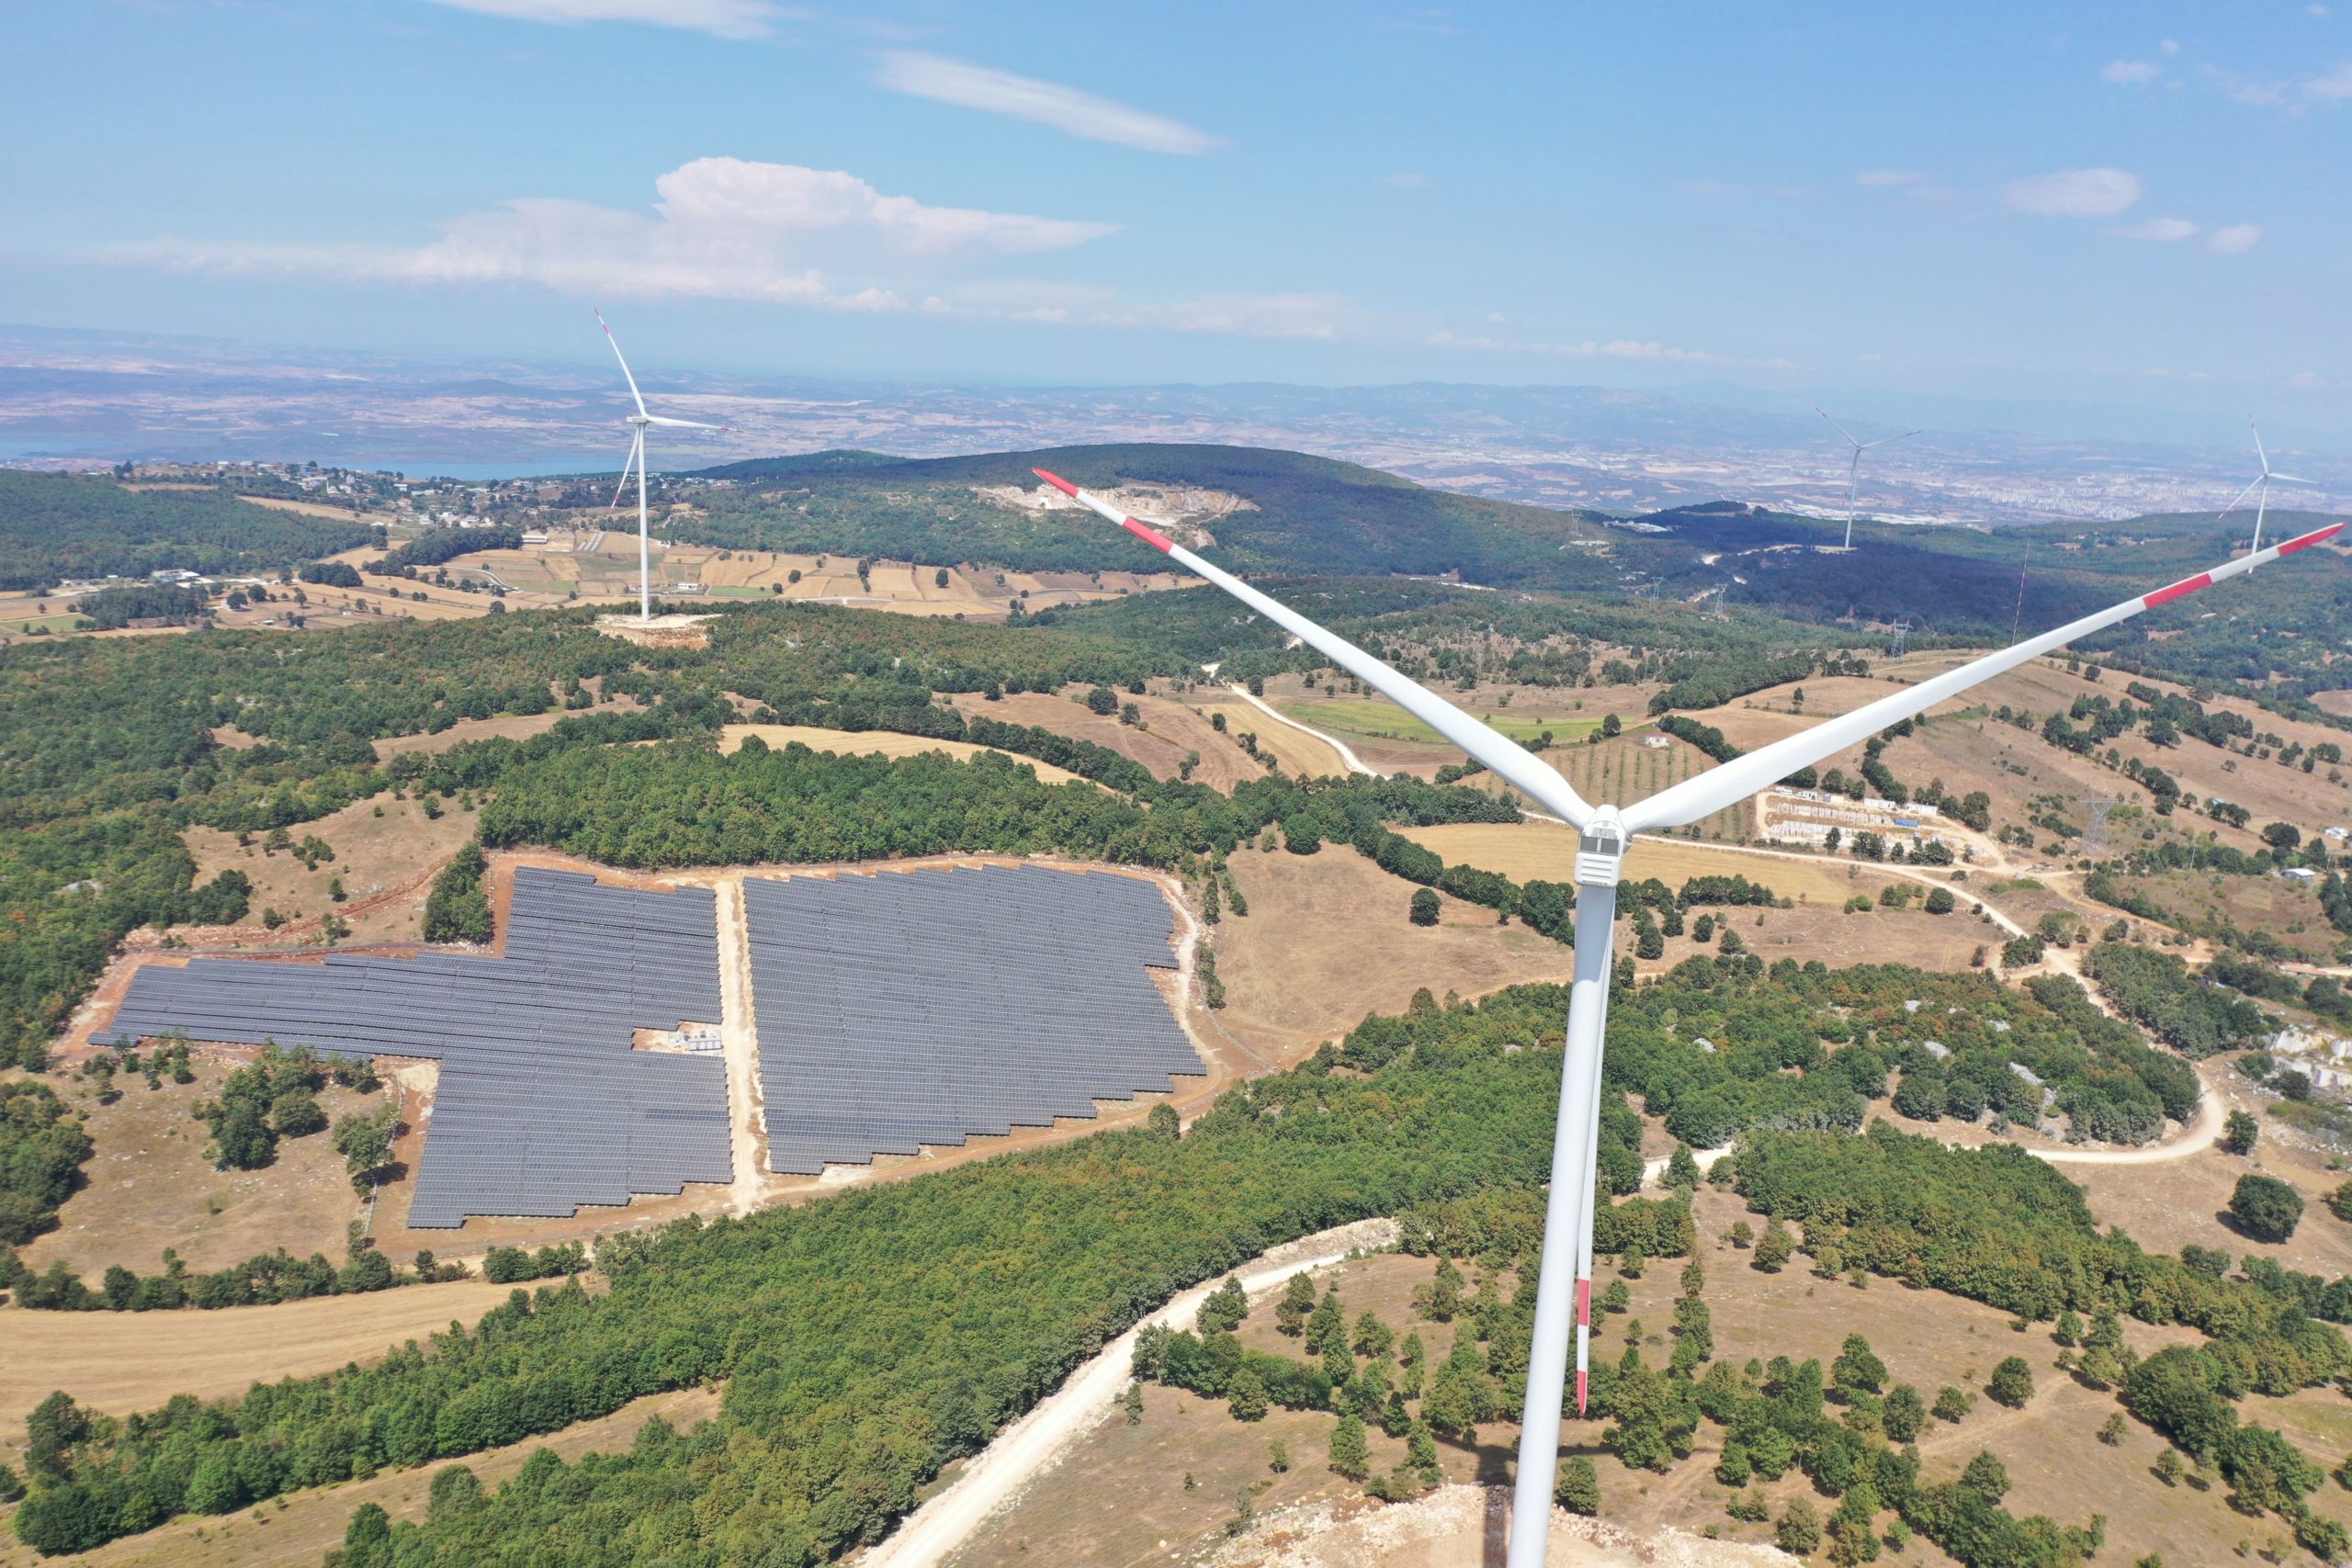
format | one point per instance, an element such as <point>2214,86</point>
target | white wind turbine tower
<point>1854,469</point>
<point>2260,488</point>
<point>642,419</point>
<point>1607,831</point>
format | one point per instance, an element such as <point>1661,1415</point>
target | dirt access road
<point>1038,1440</point>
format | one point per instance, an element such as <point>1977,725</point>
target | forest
<point>59,526</point>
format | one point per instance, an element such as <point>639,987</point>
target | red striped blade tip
<point>2315,536</point>
<point>1059,482</point>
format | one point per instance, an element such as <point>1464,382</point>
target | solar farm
<point>543,1105</point>
<point>890,1011</point>
<point>929,1007</point>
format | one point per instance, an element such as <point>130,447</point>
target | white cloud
<point>2075,193</point>
<point>2130,72</point>
<point>2336,83</point>
<point>1590,348</point>
<point>2235,240</point>
<point>2171,46</point>
<point>1889,177</point>
<point>721,228</point>
<point>946,81</point>
<point>1406,181</point>
<point>2164,230</point>
<point>2307,381</point>
<point>722,18</point>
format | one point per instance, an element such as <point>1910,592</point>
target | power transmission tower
<point>1901,634</point>
<point>2095,837</point>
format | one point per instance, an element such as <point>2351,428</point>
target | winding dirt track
<point>1038,1440</point>
<point>1355,765</point>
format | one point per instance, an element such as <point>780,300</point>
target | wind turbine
<point>2260,488</point>
<point>642,419</point>
<point>1854,469</point>
<point>1606,831</point>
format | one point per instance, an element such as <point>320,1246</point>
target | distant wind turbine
<point>2260,488</point>
<point>1854,469</point>
<point>1563,1284</point>
<point>641,419</point>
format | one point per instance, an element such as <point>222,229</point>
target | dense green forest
<point>42,1147</point>
<point>58,526</point>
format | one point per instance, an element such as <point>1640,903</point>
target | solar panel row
<point>542,1105</point>
<point>929,1007</point>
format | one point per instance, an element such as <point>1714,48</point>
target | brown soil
<point>148,1185</point>
<point>2056,1465</point>
<point>1327,940</point>
<point>1171,729</point>
<point>385,863</point>
<point>122,1361</point>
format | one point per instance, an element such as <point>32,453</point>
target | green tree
<point>1425,906</point>
<point>1247,1393</point>
<point>1986,1476</point>
<point>1578,1490</point>
<point>1952,1403</point>
<point>1773,1248</point>
<point>2240,1133</point>
<point>2011,1383</point>
<point>1798,1532</point>
<point>2266,1208</point>
<point>1904,1412</point>
<point>1351,1455</point>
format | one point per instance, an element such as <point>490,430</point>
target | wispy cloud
<point>1888,178</point>
<point>1590,348</point>
<point>1406,181</point>
<point>2162,231</point>
<point>2075,193</point>
<point>2235,240</point>
<point>721,19</point>
<point>2130,72</point>
<point>2336,84</point>
<point>946,81</point>
<point>721,229</point>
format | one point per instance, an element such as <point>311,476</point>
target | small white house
<point>2300,874</point>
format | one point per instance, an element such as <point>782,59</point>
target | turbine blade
<point>1742,776</point>
<point>1508,760</point>
<point>2258,448</point>
<point>616,354</point>
<point>636,447</point>
<point>681,424</point>
<point>1884,439</point>
<point>2251,487</point>
<point>2291,479</point>
<point>1836,426</point>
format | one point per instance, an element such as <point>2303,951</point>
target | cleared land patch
<point>865,742</point>
<point>121,1362</point>
<point>1359,715</point>
<point>1327,940</point>
<point>148,1186</point>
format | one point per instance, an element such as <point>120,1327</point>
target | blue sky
<point>2131,204</point>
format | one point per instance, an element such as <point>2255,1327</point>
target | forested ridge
<point>58,526</point>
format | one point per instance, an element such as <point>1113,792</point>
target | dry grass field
<point>122,1361</point>
<point>1122,1497</point>
<point>1327,940</point>
<point>559,570</point>
<point>384,863</point>
<point>301,1528</point>
<point>1523,851</point>
<point>863,742</point>
<point>1300,754</point>
<point>1171,730</point>
<point>148,1185</point>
